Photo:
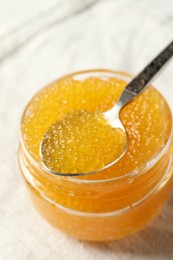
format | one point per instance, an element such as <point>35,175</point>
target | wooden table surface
<point>40,41</point>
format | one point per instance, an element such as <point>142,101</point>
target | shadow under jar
<point>115,202</point>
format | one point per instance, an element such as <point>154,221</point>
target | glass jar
<point>128,202</point>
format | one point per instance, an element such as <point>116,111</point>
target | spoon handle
<point>139,83</point>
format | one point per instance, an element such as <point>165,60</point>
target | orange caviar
<point>81,142</point>
<point>143,120</point>
<point>148,123</point>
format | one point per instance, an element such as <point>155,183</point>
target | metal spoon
<point>133,89</point>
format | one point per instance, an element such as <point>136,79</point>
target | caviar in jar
<point>114,202</point>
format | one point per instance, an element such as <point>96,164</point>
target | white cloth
<point>69,36</point>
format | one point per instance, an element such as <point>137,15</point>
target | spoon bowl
<point>88,130</point>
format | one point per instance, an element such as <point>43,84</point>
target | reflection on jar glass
<point>114,202</point>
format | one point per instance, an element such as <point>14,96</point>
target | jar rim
<point>140,170</point>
